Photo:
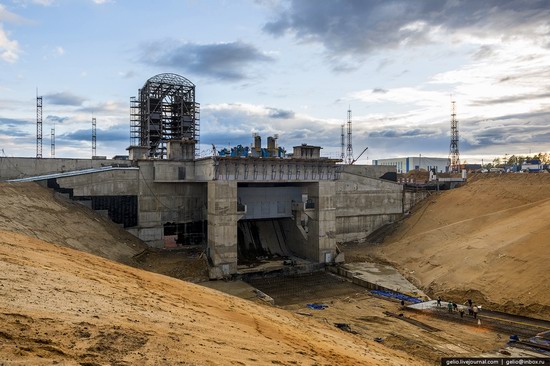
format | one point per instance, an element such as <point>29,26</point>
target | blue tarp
<point>396,295</point>
<point>317,306</point>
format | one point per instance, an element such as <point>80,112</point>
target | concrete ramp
<point>261,239</point>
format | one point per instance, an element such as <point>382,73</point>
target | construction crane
<point>354,160</point>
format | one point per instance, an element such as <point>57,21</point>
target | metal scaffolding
<point>164,110</point>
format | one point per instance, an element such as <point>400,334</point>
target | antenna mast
<point>343,144</point>
<point>38,125</point>
<point>454,155</point>
<point>94,137</point>
<point>52,136</point>
<point>349,157</point>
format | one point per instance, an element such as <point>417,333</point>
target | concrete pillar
<point>326,217</point>
<point>222,228</point>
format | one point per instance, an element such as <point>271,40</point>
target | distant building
<point>470,167</point>
<point>532,165</point>
<point>404,165</point>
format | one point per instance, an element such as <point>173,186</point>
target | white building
<point>404,165</point>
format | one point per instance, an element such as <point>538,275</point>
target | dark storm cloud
<point>280,113</point>
<point>359,27</point>
<point>222,61</point>
<point>64,98</point>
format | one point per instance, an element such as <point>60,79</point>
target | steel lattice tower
<point>52,137</point>
<point>454,155</point>
<point>349,150</point>
<point>38,126</point>
<point>343,144</point>
<point>94,137</point>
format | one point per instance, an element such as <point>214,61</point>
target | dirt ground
<point>488,240</point>
<point>62,306</point>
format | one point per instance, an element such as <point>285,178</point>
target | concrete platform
<point>236,288</point>
<point>377,276</point>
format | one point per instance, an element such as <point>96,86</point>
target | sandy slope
<point>60,304</point>
<point>33,210</point>
<point>488,240</point>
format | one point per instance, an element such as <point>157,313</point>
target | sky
<point>286,67</point>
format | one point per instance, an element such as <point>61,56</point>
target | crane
<point>354,160</point>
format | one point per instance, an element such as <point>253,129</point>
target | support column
<point>326,215</point>
<point>222,228</point>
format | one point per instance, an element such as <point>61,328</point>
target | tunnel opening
<point>184,234</point>
<point>267,245</point>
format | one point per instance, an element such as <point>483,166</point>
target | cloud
<point>114,134</point>
<point>127,74</point>
<point>14,127</point>
<point>280,113</point>
<point>64,98</point>
<point>362,27</point>
<point>221,61</point>
<point>37,2</point>
<point>9,17</point>
<point>9,49</point>
<point>379,90</point>
<point>511,99</point>
<point>109,107</point>
<point>404,133</point>
<point>56,119</point>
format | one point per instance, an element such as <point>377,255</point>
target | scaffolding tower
<point>454,155</point>
<point>349,150</point>
<point>38,126</point>
<point>94,137</point>
<point>164,110</point>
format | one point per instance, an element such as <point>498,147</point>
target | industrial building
<point>250,206</point>
<point>406,164</point>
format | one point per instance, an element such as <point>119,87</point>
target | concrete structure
<point>289,206</point>
<point>406,164</point>
<point>245,205</point>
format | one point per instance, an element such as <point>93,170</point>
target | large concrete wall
<point>109,183</point>
<point>364,204</point>
<point>13,168</point>
<point>163,202</point>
